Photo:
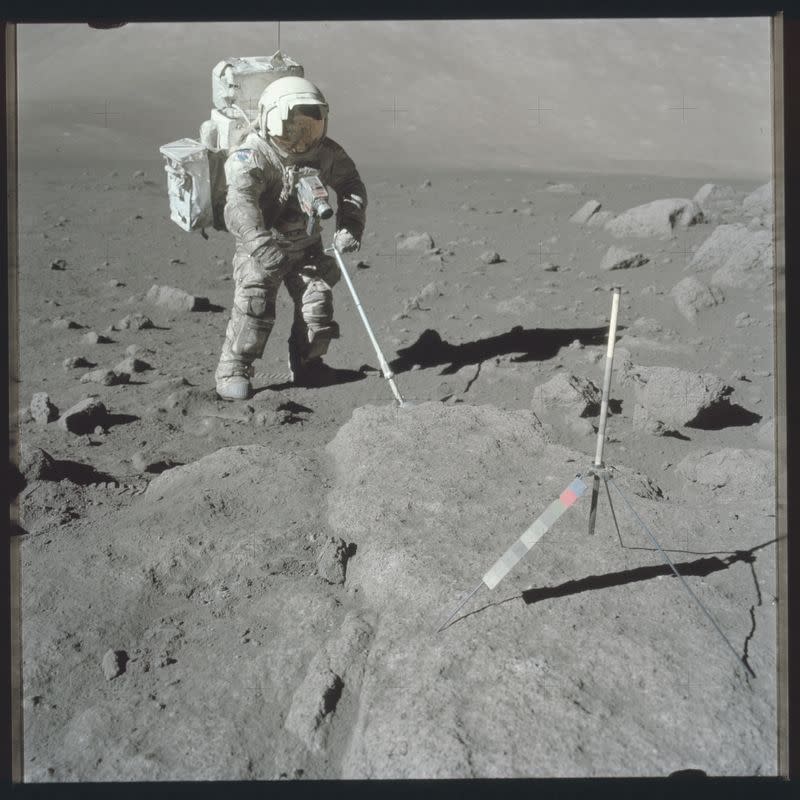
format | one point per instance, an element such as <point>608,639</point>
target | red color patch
<point>568,497</point>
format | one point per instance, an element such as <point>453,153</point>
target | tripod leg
<point>611,506</point>
<point>593,507</point>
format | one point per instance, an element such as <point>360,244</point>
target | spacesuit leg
<point>313,327</point>
<point>251,320</point>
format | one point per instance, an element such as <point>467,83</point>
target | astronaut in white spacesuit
<point>272,242</point>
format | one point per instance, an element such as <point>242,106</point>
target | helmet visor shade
<point>303,130</point>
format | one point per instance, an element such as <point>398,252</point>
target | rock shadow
<point>157,467</point>
<point>723,415</point>
<point>532,344</point>
<point>77,472</point>
<point>118,419</point>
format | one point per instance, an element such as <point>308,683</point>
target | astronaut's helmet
<point>293,114</point>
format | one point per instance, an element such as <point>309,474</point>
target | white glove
<point>345,242</point>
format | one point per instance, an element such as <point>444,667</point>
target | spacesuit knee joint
<point>251,322</point>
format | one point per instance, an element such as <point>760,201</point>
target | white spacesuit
<point>272,242</point>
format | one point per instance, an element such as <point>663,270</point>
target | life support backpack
<point>195,169</point>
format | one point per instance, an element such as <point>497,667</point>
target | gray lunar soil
<point>252,590</point>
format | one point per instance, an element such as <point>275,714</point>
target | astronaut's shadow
<point>532,344</point>
<point>331,376</point>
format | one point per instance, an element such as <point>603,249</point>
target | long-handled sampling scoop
<point>387,372</point>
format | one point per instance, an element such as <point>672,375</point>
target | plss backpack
<point>196,169</point>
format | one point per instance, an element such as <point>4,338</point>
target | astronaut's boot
<point>245,338</point>
<point>233,380</point>
<point>306,348</point>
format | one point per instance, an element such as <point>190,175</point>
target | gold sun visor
<point>303,130</point>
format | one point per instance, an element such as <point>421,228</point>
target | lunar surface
<point>254,590</point>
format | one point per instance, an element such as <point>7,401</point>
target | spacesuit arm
<point>243,214</point>
<point>350,192</point>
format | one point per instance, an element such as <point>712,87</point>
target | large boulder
<point>668,398</point>
<point>658,218</point>
<point>717,201</point>
<point>759,202</point>
<point>600,218</point>
<point>741,258</point>
<point>462,484</point>
<point>692,296</point>
<point>572,394</point>
<point>582,215</point>
<point>84,416</point>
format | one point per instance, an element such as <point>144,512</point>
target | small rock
<point>114,283</point>
<point>42,410</point>
<point>426,184</point>
<point>138,174</point>
<point>73,362</point>
<point>65,324</point>
<point>332,560</point>
<point>692,296</point>
<point>106,377</point>
<point>548,267</point>
<point>92,337</point>
<point>430,290</point>
<point>743,320</point>
<point>131,365</point>
<point>413,241</point>
<point>620,258</point>
<point>490,257</point>
<point>114,662</point>
<point>135,322</point>
<point>176,299</point>
<point>562,188</point>
<point>59,264</point>
<point>36,464</point>
<point>84,416</point>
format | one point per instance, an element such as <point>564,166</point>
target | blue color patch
<point>244,155</point>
